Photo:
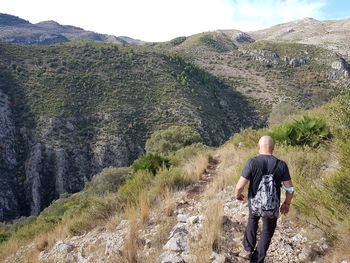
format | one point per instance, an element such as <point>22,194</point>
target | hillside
<point>272,73</point>
<point>187,213</point>
<point>19,31</point>
<point>330,34</point>
<point>72,109</point>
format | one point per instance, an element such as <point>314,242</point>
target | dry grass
<point>144,207</point>
<point>212,233</point>
<point>167,203</point>
<point>233,158</point>
<point>114,221</point>
<point>195,166</point>
<point>159,241</point>
<point>40,243</point>
<point>9,248</point>
<point>131,244</point>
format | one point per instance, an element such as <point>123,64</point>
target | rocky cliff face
<point>8,162</point>
<point>54,166</point>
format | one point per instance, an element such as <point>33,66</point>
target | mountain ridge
<point>97,103</point>
<point>19,31</point>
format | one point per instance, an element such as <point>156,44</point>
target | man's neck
<point>265,153</point>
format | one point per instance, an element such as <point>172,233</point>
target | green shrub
<point>129,192</point>
<point>107,181</point>
<point>340,110</point>
<point>172,139</point>
<point>305,131</point>
<point>4,236</point>
<point>185,153</point>
<point>174,178</point>
<point>150,162</point>
<point>246,138</point>
<point>177,41</point>
<point>98,209</point>
<point>339,184</point>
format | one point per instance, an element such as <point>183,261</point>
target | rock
<point>193,220</point>
<point>297,62</point>
<point>182,218</point>
<point>8,161</point>
<point>171,257</point>
<point>304,255</point>
<point>342,67</point>
<point>64,247</point>
<point>61,252</point>
<point>201,218</point>
<point>177,240</point>
<point>217,258</point>
<point>242,38</point>
<point>265,56</point>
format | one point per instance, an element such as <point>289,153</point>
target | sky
<point>162,20</point>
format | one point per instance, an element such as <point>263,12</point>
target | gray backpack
<point>266,202</point>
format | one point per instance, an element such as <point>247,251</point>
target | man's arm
<point>289,195</point>
<point>240,187</point>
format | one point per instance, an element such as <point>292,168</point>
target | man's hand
<point>284,209</point>
<point>240,197</point>
<point>239,188</point>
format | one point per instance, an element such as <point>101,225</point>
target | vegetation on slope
<point>322,194</point>
<point>90,78</point>
<point>86,79</point>
<point>110,193</point>
<point>77,97</point>
<point>270,73</point>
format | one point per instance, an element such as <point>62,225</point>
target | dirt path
<point>189,230</point>
<point>291,243</point>
<point>209,173</point>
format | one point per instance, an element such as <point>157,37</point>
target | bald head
<point>266,145</point>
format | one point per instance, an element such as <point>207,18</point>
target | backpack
<point>266,202</point>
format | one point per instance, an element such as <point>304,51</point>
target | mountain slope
<point>71,110</point>
<point>332,34</point>
<point>269,72</point>
<point>19,31</point>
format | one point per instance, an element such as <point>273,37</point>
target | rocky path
<point>290,242</point>
<point>195,190</point>
<point>188,232</point>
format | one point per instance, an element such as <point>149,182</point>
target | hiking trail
<point>187,232</point>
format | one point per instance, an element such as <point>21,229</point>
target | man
<point>255,168</point>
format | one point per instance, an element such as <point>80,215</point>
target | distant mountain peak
<point>20,31</point>
<point>10,20</point>
<point>49,22</point>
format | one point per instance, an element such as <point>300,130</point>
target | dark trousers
<point>249,239</point>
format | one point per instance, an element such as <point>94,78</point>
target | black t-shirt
<point>256,167</point>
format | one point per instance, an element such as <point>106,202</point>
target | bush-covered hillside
<point>320,206</point>
<point>73,109</point>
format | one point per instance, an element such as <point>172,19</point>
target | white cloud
<point>160,20</point>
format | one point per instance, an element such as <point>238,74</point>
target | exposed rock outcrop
<point>56,158</point>
<point>265,56</point>
<point>8,161</point>
<point>242,38</point>
<point>297,62</point>
<point>341,68</point>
